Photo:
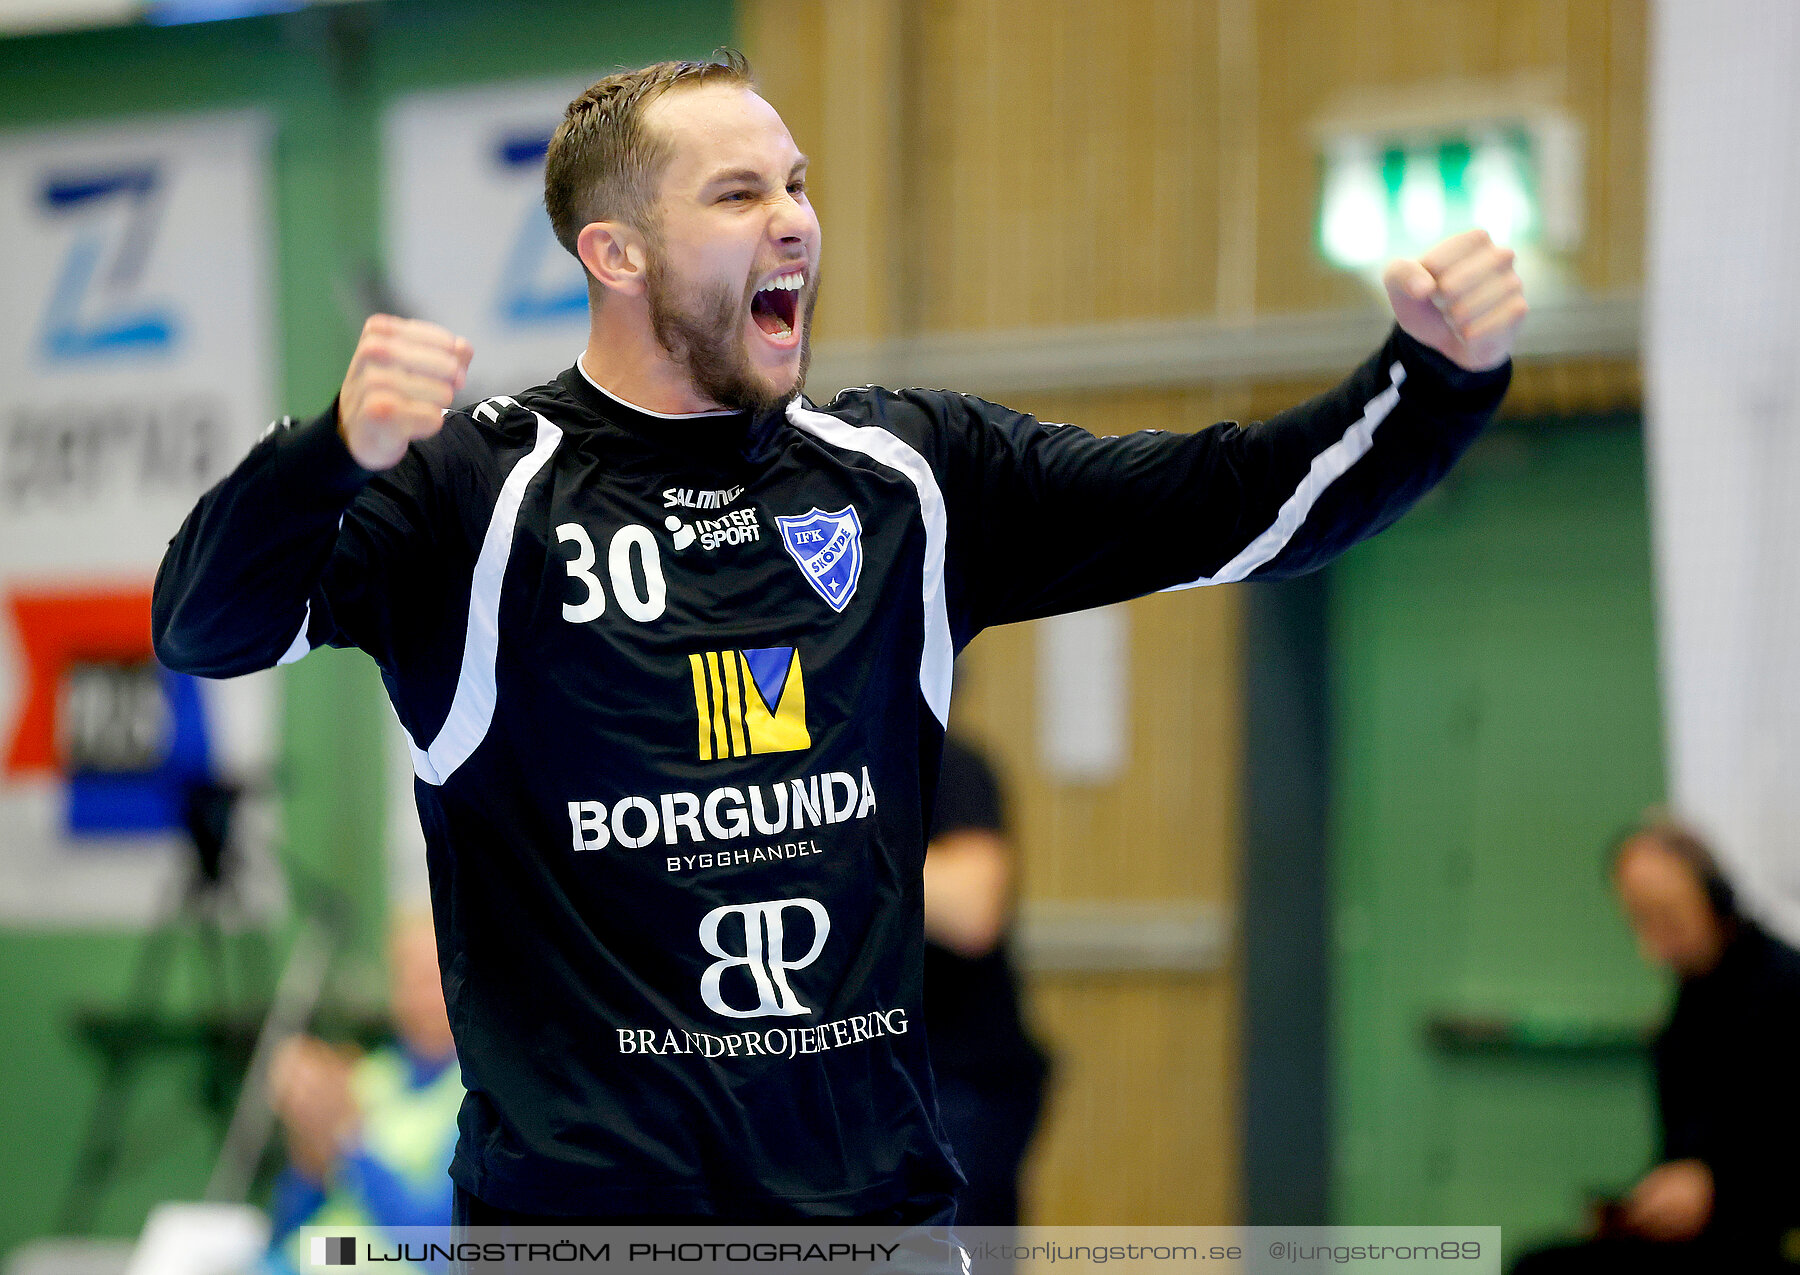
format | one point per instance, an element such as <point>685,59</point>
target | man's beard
<point>706,336</point>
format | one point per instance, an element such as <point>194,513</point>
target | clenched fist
<point>403,375</point>
<point>1463,299</point>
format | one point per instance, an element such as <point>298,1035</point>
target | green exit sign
<point>1394,196</point>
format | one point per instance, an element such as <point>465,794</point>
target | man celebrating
<point>673,648</point>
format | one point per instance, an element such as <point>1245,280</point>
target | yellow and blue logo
<point>750,702</point>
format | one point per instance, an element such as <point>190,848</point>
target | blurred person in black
<point>990,1073</point>
<point>1725,1193</point>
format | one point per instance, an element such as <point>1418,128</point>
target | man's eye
<point>738,195</point>
<point>796,187</point>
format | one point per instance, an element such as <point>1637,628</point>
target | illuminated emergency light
<point>1395,197</point>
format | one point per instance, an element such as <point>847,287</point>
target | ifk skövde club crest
<point>828,549</point>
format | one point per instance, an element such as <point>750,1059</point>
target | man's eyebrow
<point>739,176</point>
<point>750,176</point>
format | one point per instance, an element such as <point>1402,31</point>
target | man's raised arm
<point>237,588</point>
<point>1047,518</point>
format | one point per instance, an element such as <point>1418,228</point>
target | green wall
<point>1496,722</point>
<point>323,76</point>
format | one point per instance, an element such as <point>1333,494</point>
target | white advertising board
<point>135,370</point>
<point>469,245</point>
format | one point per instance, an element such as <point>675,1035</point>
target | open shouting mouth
<point>775,308</point>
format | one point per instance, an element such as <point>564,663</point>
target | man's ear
<point>615,256</point>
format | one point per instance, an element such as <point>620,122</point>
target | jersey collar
<point>689,432</point>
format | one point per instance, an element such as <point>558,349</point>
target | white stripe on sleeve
<point>1327,467</point>
<point>880,445</point>
<point>298,648</point>
<point>472,708</point>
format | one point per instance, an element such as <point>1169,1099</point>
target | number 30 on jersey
<point>641,603</point>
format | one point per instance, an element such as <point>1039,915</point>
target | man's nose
<point>793,220</point>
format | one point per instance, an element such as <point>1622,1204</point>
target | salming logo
<point>749,702</point>
<point>691,498</point>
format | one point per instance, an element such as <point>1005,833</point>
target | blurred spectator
<point>990,1074</point>
<point>1726,1195</point>
<point>369,1140</point>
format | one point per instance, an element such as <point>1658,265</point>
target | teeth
<point>786,283</point>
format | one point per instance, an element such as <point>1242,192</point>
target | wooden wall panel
<point>1068,162</point>
<point>1562,387</point>
<point>1589,55</point>
<point>1142,1126</point>
<point>1611,76</point>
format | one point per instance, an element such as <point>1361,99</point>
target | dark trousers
<point>990,1133</point>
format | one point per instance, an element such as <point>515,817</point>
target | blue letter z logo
<point>87,313</point>
<point>525,296</point>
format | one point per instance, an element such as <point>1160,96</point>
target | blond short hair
<point>603,163</point>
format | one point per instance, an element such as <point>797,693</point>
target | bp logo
<point>828,549</point>
<point>764,956</point>
<point>334,1250</point>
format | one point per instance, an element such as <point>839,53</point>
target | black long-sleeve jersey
<point>676,691</point>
